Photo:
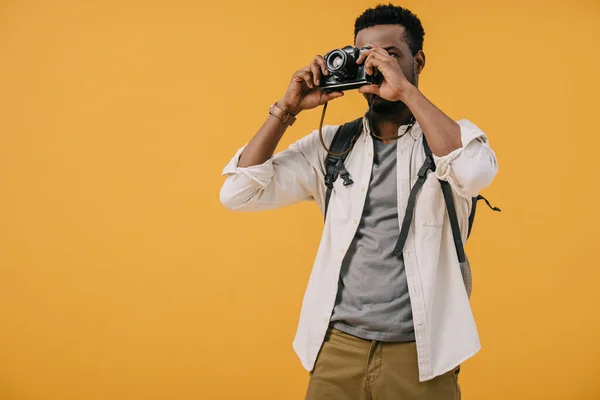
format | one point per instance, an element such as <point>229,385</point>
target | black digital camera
<point>344,72</point>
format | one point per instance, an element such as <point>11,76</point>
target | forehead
<point>383,36</point>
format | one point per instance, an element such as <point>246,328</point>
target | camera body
<point>344,72</point>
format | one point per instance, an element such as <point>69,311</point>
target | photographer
<point>386,312</point>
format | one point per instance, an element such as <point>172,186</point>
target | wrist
<point>406,92</point>
<point>286,107</point>
<point>277,111</point>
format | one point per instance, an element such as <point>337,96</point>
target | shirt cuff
<point>261,173</point>
<point>469,133</point>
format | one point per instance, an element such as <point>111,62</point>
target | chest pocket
<point>430,208</point>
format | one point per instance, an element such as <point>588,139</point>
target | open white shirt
<point>445,330</point>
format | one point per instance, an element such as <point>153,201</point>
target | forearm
<point>262,146</point>
<point>442,133</point>
<point>271,180</point>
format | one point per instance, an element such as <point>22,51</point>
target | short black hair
<point>394,15</point>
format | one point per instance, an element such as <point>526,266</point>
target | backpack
<point>344,139</point>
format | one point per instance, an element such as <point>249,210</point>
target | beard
<point>384,107</point>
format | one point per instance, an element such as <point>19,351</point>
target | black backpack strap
<point>474,207</point>
<point>343,139</point>
<point>449,200</point>
<point>458,243</point>
<point>472,215</point>
<point>428,166</point>
<point>453,217</point>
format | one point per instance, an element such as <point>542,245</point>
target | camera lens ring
<point>332,60</point>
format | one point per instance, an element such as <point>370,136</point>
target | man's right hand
<point>304,91</point>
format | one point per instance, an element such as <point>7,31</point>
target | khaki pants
<point>350,368</point>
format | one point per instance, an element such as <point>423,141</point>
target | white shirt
<point>445,330</point>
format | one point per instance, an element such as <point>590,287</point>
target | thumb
<point>373,89</point>
<point>334,95</point>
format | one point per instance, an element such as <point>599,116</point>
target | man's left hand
<point>394,86</point>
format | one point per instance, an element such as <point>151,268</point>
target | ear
<point>419,62</point>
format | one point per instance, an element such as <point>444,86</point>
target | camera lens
<point>336,60</point>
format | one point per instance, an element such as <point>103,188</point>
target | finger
<point>370,63</point>
<point>334,95</point>
<point>363,56</point>
<point>308,78</point>
<point>373,47</point>
<point>326,97</point>
<point>304,76</point>
<point>378,50</point>
<point>375,60</point>
<point>316,73</point>
<point>381,55</point>
<point>372,89</point>
<point>321,62</point>
<point>381,50</point>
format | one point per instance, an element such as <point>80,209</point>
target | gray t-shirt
<point>372,301</point>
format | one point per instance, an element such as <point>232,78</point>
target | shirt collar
<point>415,132</point>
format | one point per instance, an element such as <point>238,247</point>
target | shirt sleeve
<point>472,167</point>
<point>290,176</point>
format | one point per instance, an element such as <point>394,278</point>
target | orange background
<point>122,276</point>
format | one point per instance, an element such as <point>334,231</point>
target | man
<point>375,325</point>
